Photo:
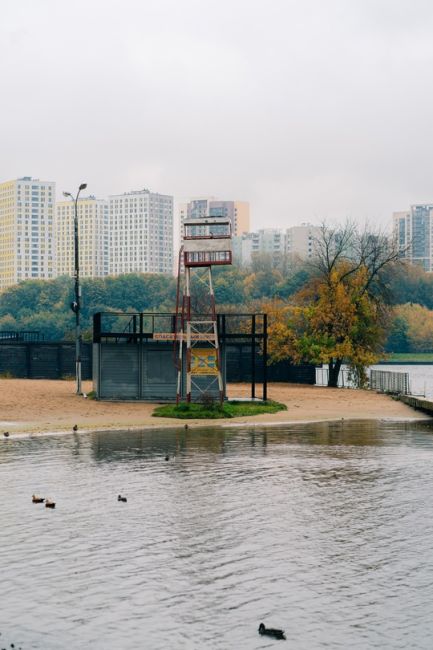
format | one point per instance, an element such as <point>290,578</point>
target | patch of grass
<point>411,356</point>
<point>6,375</point>
<point>227,410</point>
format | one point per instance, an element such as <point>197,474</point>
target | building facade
<point>27,237</point>
<point>140,236</point>
<point>413,230</point>
<point>92,235</point>
<point>297,241</point>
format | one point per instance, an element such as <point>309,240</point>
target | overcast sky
<point>308,109</point>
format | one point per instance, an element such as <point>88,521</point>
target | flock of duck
<point>263,630</point>
<point>49,503</point>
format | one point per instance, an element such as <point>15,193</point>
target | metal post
<point>265,357</point>
<point>77,301</point>
<point>253,357</point>
<point>140,352</point>
<point>188,333</point>
<point>76,305</point>
<point>215,330</point>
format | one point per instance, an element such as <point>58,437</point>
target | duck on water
<point>271,631</point>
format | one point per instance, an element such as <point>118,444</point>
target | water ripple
<point>323,529</point>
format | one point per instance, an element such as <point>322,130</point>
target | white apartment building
<point>140,233</point>
<point>27,237</point>
<point>295,241</point>
<point>268,241</point>
<point>92,237</point>
<point>299,240</point>
<point>413,230</point>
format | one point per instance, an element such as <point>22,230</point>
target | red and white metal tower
<point>207,243</point>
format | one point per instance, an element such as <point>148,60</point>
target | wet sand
<point>42,406</point>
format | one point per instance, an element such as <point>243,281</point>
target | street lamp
<point>76,305</point>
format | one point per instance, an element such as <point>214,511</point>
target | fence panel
<point>390,382</point>
<point>119,371</point>
<point>239,362</point>
<point>43,360</point>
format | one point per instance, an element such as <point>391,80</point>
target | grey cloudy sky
<point>308,109</point>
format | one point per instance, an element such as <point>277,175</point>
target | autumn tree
<point>340,315</point>
<point>409,283</point>
<point>413,327</point>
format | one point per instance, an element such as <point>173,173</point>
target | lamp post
<point>76,305</point>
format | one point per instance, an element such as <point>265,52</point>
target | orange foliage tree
<point>419,322</point>
<point>339,315</point>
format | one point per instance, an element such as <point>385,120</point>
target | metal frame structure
<point>206,243</point>
<point>137,331</point>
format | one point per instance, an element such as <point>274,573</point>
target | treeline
<point>410,291</point>
<point>411,329</point>
<point>44,306</point>
<point>409,284</point>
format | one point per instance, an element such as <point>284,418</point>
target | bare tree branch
<point>350,248</point>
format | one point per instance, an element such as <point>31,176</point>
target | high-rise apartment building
<point>27,242</point>
<point>92,236</point>
<point>140,233</point>
<point>299,240</point>
<point>414,232</point>
<point>237,211</point>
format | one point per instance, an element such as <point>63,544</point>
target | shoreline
<point>31,407</point>
<point>203,424</point>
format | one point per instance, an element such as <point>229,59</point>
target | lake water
<point>325,530</point>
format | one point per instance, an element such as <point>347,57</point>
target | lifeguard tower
<point>207,243</point>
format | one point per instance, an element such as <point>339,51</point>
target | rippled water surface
<point>325,530</point>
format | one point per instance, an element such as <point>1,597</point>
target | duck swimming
<point>120,498</point>
<point>271,631</point>
<point>36,499</point>
<point>49,503</point>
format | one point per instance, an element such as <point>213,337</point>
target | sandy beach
<point>41,406</point>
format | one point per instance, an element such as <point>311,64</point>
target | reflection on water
<point>323,529</point>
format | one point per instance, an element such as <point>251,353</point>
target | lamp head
<point>67,194</point>
<point>82,186</point>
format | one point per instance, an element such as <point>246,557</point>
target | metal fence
<point>9,337</point>
<point>390,382</point>
<point>43,360</point>
<point>381,380</point>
